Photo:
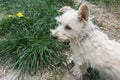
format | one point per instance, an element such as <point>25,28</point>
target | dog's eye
<point>68,27</point>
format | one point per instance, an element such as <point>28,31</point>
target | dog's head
<point>71,23</point>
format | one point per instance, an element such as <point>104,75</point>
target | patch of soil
<point>106,21</point>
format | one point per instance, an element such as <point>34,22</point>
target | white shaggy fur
<point>89,45</point>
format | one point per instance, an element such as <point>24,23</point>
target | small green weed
<point>26,44</point>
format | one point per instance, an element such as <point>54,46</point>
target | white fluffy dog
<point>89,45</point>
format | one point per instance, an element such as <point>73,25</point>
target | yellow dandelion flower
<point>20,14</point>
<point>10,15</point>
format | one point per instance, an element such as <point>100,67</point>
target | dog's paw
<point>76,71</point>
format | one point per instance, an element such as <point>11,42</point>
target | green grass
<point>25,42</point>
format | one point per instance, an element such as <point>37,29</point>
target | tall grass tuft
<point>25,42</point>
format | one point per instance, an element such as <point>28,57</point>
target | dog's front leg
<point>79,70</point>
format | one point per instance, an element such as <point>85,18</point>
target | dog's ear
<point>65,9</point>
<point>83,12</point>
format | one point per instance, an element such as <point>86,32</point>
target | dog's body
<point>89,45</point>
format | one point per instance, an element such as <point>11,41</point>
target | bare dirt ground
<point>104,19</point>
<point>108,22</point>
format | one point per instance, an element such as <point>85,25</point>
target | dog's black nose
<point>54,37</point>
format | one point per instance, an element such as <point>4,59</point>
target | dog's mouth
<point>60,39</point>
